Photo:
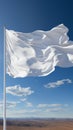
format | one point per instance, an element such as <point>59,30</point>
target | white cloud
<point>55,109</point>
<point>9,104</point>
<point>48,105</point>
<point>1,104</point>
<point>23,99</point>
<point>57,83</point>
<point>17,90</point>
<point>42,105</point>
<point>35,112</point>
<point>52,107</point>
<point>29,104</point>
<point>27,111</point>
<point>49,111</point>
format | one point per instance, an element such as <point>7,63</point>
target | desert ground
<point>39,124</point>
<point>1,124</point>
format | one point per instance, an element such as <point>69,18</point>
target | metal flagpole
<point>4,92</point>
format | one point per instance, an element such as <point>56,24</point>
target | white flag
<point>37,53</point>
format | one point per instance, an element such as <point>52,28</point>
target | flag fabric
<point>38,53</point>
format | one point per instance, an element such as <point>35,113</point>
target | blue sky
<point>49,96</point>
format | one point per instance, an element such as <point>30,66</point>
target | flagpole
<point>4,92</point>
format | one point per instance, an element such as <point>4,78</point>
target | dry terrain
<point>39,124</point>
<point>1,124</point>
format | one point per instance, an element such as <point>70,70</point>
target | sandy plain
<point>53,124</point>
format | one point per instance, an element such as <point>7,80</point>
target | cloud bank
<point>40,110</point>
<point>50,105</point>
